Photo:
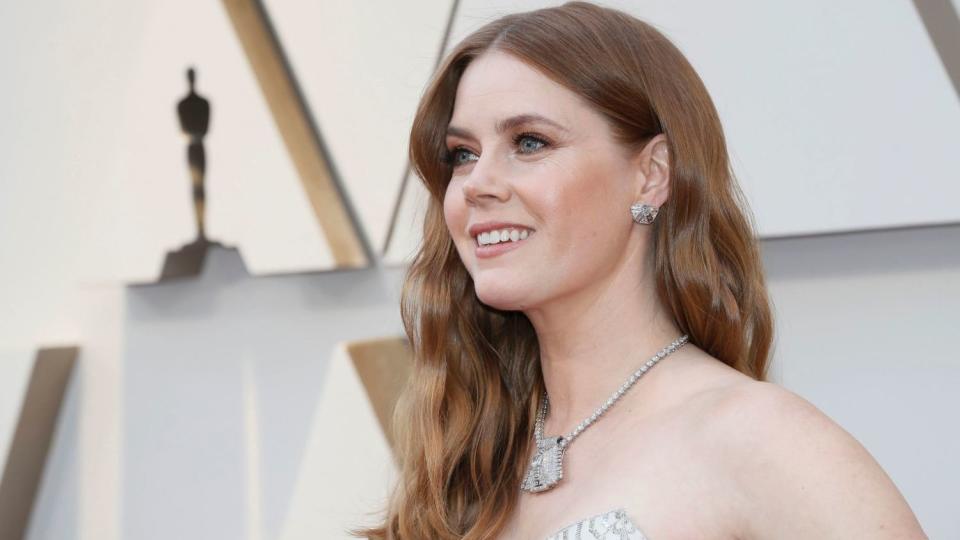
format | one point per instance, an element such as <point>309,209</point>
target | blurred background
<point>160,378</point>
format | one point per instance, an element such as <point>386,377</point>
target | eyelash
<point>450,155</point>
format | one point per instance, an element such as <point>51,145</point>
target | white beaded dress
<point>612,525</point>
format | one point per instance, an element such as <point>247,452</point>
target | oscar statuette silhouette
<point>193,112</point>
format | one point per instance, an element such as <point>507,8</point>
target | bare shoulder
<point>797,473</point>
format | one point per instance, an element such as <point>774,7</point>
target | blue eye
<point>453,156</point>
<point>522,138</point>
<point>527,143</point>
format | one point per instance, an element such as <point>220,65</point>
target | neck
<point>593,340</point>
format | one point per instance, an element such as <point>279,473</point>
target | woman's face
<point>530,154</point>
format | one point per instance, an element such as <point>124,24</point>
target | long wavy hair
<point>464,424</point>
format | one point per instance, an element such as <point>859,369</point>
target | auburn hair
<point>464,423</point>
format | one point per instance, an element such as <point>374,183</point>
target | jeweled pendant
<point>546,467</point>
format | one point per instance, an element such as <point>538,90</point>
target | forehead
<point>497,85</point>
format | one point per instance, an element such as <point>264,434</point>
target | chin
<point>499,297</point>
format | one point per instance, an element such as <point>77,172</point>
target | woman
<point>588,261</point>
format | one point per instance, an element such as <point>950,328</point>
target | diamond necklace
<point>546,468</point>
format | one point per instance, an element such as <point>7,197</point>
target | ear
<point>653,172</point>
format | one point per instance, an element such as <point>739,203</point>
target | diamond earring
<point>643,214</point>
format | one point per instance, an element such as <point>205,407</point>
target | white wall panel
<point>839,115</point>
<point>228,383</point>
<point>363,67</point>
<point>347,466</point>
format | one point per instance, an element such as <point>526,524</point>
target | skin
<point>695,449</point>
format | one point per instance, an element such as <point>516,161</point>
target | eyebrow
<point>507,123</point>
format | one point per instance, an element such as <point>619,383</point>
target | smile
<point>503,235</point>
<point>488,246</point>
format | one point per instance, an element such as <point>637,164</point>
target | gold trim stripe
<point>36,426</point>
<point>384,366</point>
<point>278,84</point>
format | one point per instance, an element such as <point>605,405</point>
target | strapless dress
<point>612,525</point>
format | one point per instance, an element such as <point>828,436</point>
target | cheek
<point>453,211</point>
<point>586,203</point>
<point>585,215</point>
<point>455,216</point>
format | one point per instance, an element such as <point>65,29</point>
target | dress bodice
<point>612,525</point>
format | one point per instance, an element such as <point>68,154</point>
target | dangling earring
<point>643,214</point>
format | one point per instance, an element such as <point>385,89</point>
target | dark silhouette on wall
<point>194,113</point>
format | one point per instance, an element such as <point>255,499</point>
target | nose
<point>485,184</point>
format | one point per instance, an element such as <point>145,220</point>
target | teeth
<point>503,235</point>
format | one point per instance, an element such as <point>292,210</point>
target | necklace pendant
<point>546,467</point>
